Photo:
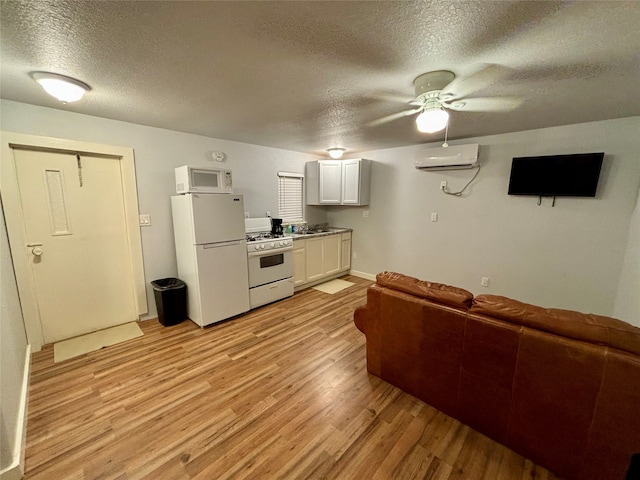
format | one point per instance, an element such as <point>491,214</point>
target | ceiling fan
<point>439,91</point>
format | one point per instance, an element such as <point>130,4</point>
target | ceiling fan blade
<point>392,117</point>
<point>488,104</point>
<point>464,86</point>
<point>391,97</point>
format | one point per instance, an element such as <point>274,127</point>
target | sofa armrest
<point>435,292</point>
<point>360,318</point>
<point>585,327</point>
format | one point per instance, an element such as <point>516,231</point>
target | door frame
<point>16,226</point>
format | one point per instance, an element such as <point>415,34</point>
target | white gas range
<point>270,259</point>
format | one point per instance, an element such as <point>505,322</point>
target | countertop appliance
<point>276,227</point>
<point>270,260</point>
<point>212,255</point>
<point>191,179</point>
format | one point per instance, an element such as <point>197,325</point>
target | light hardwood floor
<point>279,393</point>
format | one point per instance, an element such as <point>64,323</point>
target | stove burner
<point>261,236</point>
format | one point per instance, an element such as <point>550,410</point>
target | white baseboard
<point>365,275</point>
<point>15,471</point>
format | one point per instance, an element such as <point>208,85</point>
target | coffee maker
<point>276,227</point>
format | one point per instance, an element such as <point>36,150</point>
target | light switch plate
<point>145,220</point>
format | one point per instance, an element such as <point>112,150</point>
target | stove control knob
<point>273,244</point>
<point>282,244</point>
<point>256,247</point>
<point>262,246</point>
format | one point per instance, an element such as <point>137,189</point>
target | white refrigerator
<point>212,255</point>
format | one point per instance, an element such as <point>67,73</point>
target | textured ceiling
<point>306,76</point>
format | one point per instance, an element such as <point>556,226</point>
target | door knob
<point>35,248</point>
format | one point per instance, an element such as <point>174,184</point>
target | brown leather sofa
<point>561,388</point>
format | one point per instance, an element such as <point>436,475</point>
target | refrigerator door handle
<point>222,244</point>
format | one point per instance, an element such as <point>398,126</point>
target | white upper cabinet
<point>330,185</point>
<point>338,182</point>
<point>351,182</point>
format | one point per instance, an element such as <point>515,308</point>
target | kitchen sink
<point>315,232</point>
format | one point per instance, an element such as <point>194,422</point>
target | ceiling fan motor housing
<point>430,100</point>
<point>432,81</point>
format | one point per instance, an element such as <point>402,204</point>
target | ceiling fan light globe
<point>431,121</point>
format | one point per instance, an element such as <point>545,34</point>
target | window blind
<point>290,204</point>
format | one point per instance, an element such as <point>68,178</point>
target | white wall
<point>628,298</point>
<point>157,153</point>
<point>13,347</point>
<point>568,256</point>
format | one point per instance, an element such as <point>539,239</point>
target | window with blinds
<point>290,198</point>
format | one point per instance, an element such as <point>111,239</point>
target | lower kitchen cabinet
<point>317,258</point>
<point>345,261</point>
<point>314,256</point>
<point>299,262</point>
<point>332,260</point>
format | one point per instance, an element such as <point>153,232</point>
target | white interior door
<point>76,241</point>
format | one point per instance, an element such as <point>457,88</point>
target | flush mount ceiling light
<point>65,89</point>
<point>336,152</point>
<point>432,120</point>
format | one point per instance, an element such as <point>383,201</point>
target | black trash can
<point>171,300</point>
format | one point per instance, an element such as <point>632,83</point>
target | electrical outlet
<point>365,214</point>
<point>246,214</point>
<point>484,281</point>
<point>443,185</point>
<point>145,220</point>
<point>268,213</point>
<point>434,217</point>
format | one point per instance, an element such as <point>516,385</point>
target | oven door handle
<point>272,251</point>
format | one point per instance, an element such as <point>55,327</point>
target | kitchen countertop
<point>312,234</point>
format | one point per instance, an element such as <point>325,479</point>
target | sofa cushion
<point>615,429</point>
<point>580,326</point>
<point>554,394</point>
<point>486,378</point>
<point>436,292</point>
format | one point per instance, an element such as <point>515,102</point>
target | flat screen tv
<point>556,175</point>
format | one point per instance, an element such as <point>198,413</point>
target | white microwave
<point>203,180</point>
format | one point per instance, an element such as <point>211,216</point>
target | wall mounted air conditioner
<point>448,158</point>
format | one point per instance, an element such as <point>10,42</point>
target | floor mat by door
<point>91,342</point>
